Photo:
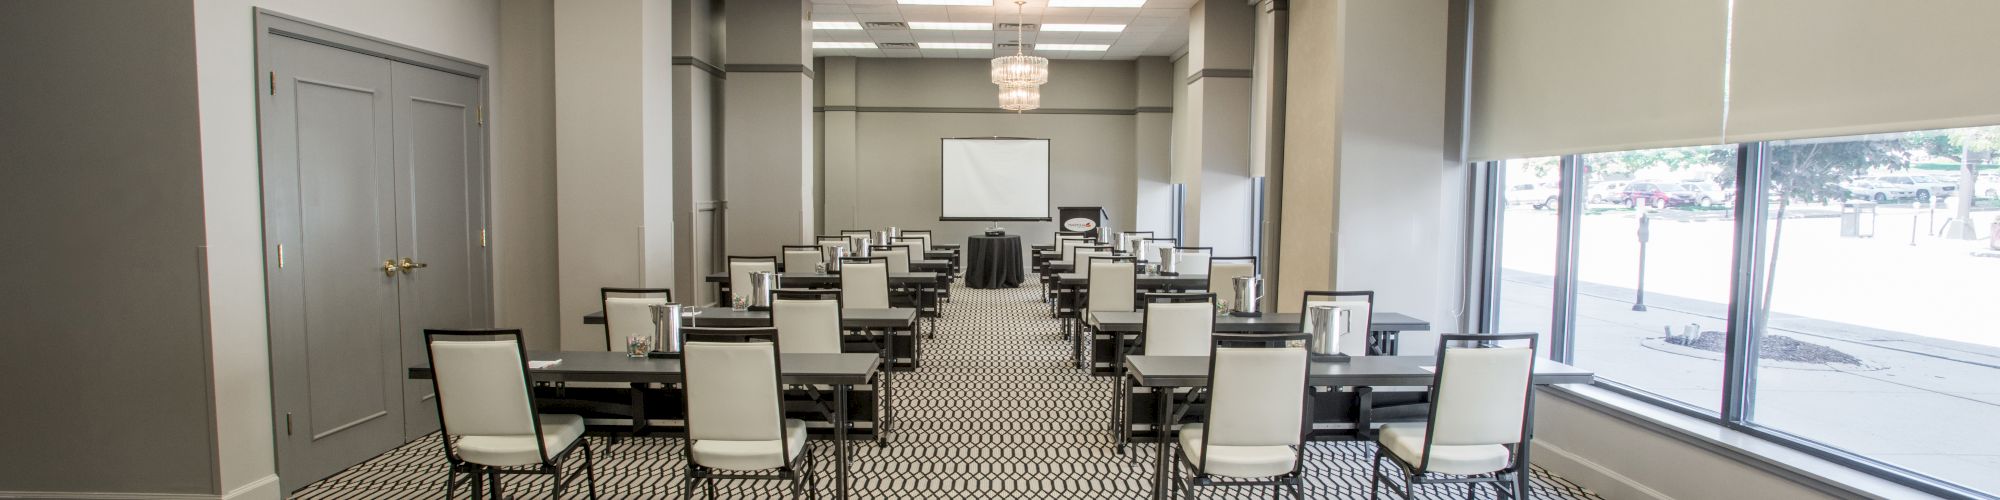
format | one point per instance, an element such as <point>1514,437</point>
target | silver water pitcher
<point>1170,261</point>
<point>888,236</point>
<point>833,259</point>
<point>892,234</point>
<point>858,246</point>
<point>1327,325</point>
<point>666,328</point>
<point>762,283</point>
<point>1122,242</point>
<point>1249,296</point>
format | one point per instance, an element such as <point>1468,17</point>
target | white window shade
<point>1573,76</point>
<point>1817,68</point>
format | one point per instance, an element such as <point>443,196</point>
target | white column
<point>1218,98</point>
<point>839,157</point>
<point>768,126</point>
<point>1154,101</point>
<point>614,154</point>
<point>697,89</point>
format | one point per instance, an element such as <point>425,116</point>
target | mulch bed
<point>1772,347</point>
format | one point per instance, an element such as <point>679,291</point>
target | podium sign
<point>1088,220</point>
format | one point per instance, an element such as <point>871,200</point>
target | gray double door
<point>374,228</point>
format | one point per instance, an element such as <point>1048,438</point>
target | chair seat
<point>751,455</point>
<point>1406,441</point>
<point>1237,461</point>
<point>558,431</point>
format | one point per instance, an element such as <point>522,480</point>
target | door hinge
<point>482,238</point>
<point>274,83</point>
<point>482,115</point>
<point>281,256</point>
<point>288,423</point>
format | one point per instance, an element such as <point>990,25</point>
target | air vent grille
<point>897,45</point>
<point>1010,26</point>
<point>886,26</point>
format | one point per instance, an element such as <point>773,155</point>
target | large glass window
<point>1654,242</point>
<point>1527,245</point>
<point>1881,299</point>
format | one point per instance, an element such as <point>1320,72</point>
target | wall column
<point>1218,97</point>
<point>842,186</point>
<point>614,155</point>
<point>1310,177</point>
<point>768,127</point>
<point>1154,101</point>
<point>697,90</point>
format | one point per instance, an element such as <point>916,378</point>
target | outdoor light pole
<point>1645,233</point>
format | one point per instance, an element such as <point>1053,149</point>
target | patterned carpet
<point>996,412</point>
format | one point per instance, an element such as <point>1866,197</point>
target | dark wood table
<point>1384,328</point>
<point>842,371</point>
<point>1165,373</point>
<point>928,285</point>
<point>1069,286</point>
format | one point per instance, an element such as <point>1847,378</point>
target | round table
<point>993,261</point>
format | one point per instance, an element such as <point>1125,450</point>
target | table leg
<point>888,417</point>
<point>1163,429</point>
<point>840,441</point>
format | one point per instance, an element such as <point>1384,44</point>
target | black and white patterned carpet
<point>996,412</point>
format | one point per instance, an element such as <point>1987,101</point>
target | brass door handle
<point>411,265</point>
<point>389,267</point>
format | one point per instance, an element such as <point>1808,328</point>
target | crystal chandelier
<point>1020,76</point>
<point>1020,97</point>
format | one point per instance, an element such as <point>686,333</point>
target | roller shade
<point>1817,68</point>
<point>1574,76</point>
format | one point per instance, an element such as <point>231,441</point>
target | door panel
<point>440,194</point>
<point>328,179</point>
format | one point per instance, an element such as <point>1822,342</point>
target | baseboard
<point>1598,479</point>
<point>264,488</point>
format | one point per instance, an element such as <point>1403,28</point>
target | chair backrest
<point>1360,306</point>
<point>808,321</point>
<point>864,282</point>
<point>628,312</point>
<point>740,268</point>
<point>1482,394</point>
<point>1256,394</point>
<point>828,243</point>
<point>857,232</point>
<point>1178,324</point>
<point>1112,282</point>
<point>732,387</point>
<point>1082,262</point>
<point>1194,260</point>
<point>1149,248</point>
<point>898,255</point>
<point>481,381</point>
<point>803,258</point>
<point>1064,243</point>
<point>918,244</point>
<point>1223,271</point>
<point>1079,249</point>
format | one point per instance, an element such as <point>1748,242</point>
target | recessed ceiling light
<point>1097,3</point>
<point>1072,46</point>
<point>988,3</point>
<point>954,45</point>
<point>952,26</point>
<point>836,25</point>
<point>843,45</point>
<point>1106,28</point>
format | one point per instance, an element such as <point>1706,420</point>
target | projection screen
<point>997,178</point>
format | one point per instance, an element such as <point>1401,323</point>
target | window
<point>1881,313</point>
<point>1847,305</point>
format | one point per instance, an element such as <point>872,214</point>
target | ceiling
<point>1159,28</point>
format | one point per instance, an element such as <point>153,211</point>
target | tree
<point>1812,170</point>
<point>1962,145</point>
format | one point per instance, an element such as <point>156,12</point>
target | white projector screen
<point>996,178</point>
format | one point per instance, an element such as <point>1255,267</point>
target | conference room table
<point>840,371</point>
<point>928,285</point>
<point>851,318</point>
<point>1163,374</point>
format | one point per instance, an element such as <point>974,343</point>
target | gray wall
<point>524,174</point>
<point>894,181</point>
<point>104,348</point>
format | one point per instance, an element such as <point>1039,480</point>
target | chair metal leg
<point>494,477</point>
<point>1375,478</point>
<point>478,484</point>
<point>711,488</point>
<point>589,470</point>
<point>450,482</point>
<point>687,484</point>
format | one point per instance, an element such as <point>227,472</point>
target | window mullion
<point>1746,282</point>
<point>1569,213</point>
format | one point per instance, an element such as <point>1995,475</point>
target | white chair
<point>1149,248</point>
<point>1480,402</point>
<point>1360,306</point>
<point>864,282</point>
<point>1194,260</point>
<point>486,401</point>
<point>735,411</point>
<point>1223,271</point>
<point>628,312</point>
<point>898,255</point>
<point>1110,285</point>
<point>803,259</point>
<point>808,321</point>
<point>1256,424</point>
<point>827,244</point>
<point>1176,324</point>
<point>740,268</point>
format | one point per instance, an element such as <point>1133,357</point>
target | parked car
<point>1921,187</point>
<point>1711,194</point>
<point>1660,194</point>
<point>1607,192</point>
<point>1873,189</point>
<point>1539,195</point>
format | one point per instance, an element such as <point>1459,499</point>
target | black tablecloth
<point>993,261</point>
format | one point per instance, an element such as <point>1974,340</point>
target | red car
<point>1660,194</point>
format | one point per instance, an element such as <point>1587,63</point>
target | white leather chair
<point>486,401</point>
<point>807,321</point>
<point>803,259</point>
<point>740,268</point>
<point>1223,271</point>
<point>864,282</point>
<point>735,411</point>
<point>1480,402</point>
<point>1256,430</point>
<point>1194,260</point>
<point>627,312</point>
<point>898,255</point>
<point>1176,324</point>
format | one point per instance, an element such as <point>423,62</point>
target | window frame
<point>1748,263</point>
